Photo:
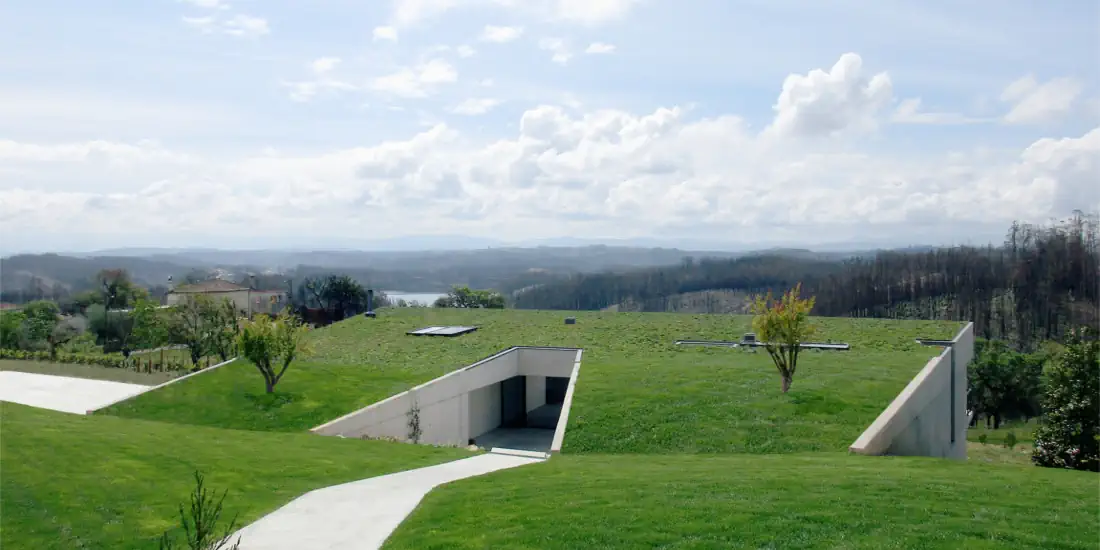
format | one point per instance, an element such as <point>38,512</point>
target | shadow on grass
<point>272,401</point>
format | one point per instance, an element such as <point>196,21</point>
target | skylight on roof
<point>442,331</point>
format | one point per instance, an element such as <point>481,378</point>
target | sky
<point>325,123</point>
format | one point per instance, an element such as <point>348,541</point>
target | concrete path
<point>360,515</point>
<point>62,393</point>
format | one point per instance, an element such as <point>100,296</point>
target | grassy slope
<point>638,392</point>
<point>826,500</point>
<point>101,482</point>
<point>87,371</point>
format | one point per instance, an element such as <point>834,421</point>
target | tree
<point>465,297</point>
<point>119,291</point>
<point>190,326</point>
<point>150,329</point>
<point>783,325</point>
<point>343,294</point>
<point>1069,436</point>
<point>224,328</point>
<point>1003,384</point>
<point>112,328</point>
<point>11,329</point>
<point>62,332</point>
<point>41,318</point>
<point>200,522</point>
<point>272,345</point>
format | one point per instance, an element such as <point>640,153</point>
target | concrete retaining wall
<point>460,405</point>
<point>928,417</point>
<point>563,420</point>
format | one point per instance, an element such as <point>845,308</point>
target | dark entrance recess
<point>513,406</point>
<point>555,389</point>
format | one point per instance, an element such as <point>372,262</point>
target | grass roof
<point>638,392</point>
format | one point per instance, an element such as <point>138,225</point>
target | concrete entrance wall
<point>462,404</point>
<point>928,417</point>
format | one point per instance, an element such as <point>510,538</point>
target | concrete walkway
<point>62,393</point>
<point>360,515</point>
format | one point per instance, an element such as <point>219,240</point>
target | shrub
<point>201,522</point>
<point>982,438</point>
<point>1010,440</point>
<point>1069,436</point>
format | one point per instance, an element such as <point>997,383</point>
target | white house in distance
<point>247,300</point>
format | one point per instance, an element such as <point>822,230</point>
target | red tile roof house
<point>247,300</point>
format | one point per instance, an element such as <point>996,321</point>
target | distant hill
<point>427,271</point>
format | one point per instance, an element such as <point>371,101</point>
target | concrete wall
<point>928,417</point>
<point>484,407</point>
<point>547,361</point>
<point>536,392</point>
<point>457,406</point>
<point>567,405</point>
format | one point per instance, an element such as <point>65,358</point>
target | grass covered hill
<point>637,393</point>
<point>819,500</point>
<point>100,482</point>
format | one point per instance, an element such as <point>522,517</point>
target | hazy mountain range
<point>500,267</point>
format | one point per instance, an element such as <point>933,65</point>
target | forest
<point>1043,280</point>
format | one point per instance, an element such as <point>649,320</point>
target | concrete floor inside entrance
<point>521,439</point>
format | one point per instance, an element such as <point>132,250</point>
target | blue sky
<point>259,123</point>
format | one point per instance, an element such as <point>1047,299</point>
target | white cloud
<point>559,50</point>
<point>305,90</point>
<point>909,112</point>
<point>113,153</point>
<point>475,106</point>
<point>208,4</point>
<point>324,64</point>
<point>465,51</point>
<point>240,25</point>
<point>1035,103</point>
<point>823,103</point>
<point>205,24</point>
<point>418,81</point>
<point>601,172</point>
<point>500,35</point>
<point>385,33</point>
<point>592,12</point>
<point>583,12</point>
<point>599,48</point>
<point>246,26</point>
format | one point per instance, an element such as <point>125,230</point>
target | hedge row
<point>110,361</point>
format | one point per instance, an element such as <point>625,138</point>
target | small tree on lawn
<point>1069,435</point>
<point>272,345</point>
<point>201,522</point>
<point>783,325</point>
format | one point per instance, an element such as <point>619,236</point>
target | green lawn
<point>70,481</point>
<point>824,500</point>
<point>637,392</point>
<point>88,371</point>
<point>1025,431</point>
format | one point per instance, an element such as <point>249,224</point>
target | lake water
<point>426,298</point>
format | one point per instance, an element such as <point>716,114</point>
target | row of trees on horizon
<point>1042,281</point>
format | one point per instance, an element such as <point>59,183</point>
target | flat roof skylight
<point>442,331</point>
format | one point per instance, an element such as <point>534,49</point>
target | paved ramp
<point>361,515</point>
<point>62,393</point>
